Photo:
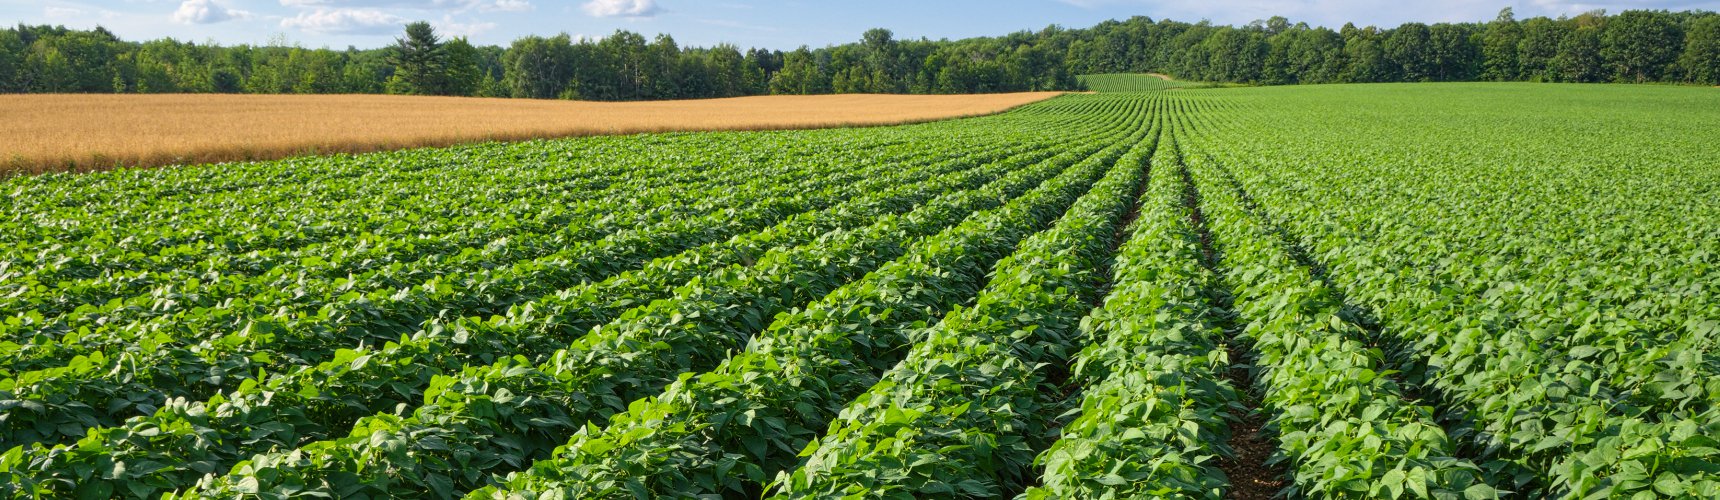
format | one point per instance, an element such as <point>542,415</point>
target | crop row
<point>1345,427</point>
<point>303,404</point>
<point>296,298</point>
<point>521,224</point>
<point>177,234</point>
<point>967,408</point>
<point>1155,410</point>
<point>1570,382</point>
<point>1063,301</point>
<point>457,435</point>
<point>183,359</point>
<point>1537,405</point>
<point>728,430</point>
<point>493,418</point>
<point>115,324</point>
<point>385,259</point>
<point>650,193</point>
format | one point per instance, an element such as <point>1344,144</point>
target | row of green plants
<point>183,259</point>
<point>185,440</point>
<point>1429,313</point>
<point>201,354</point>
<point>137,379</point>
<point>1630,273</point>
<point>188,418</point>
<point>1536,290</point>
<point>125,320</point>
<point>965,411</point>
<point>1155,411</point>
<point>1344,425</point>
<point>726,431</point>
<point>495,418</point>
<point>143,239</point>
<point>132,227</point>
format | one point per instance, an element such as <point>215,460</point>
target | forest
<point>1635,46</point>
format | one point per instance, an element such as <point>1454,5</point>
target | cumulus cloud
<point>454,5</point>
<point>449,27</point>
<point>59,12</point>
<point>506,6</point>
<point>206,12</point>
<point>345,21</point>
<point>622,8</point>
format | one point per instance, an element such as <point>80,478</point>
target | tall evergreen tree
<point>420,63</point>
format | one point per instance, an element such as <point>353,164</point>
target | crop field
<point>51,133</point>
<point>1358,291</point>
<point>1126,82</point>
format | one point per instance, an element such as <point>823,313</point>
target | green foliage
<point>538,67</point>
<point>1345,427</point>
<point>1701,56</point>
<point>1632,46</point>
<point>463,77</point>
<point>1641,46</point>
<point>963,413</point>
<point>11,62</point>
<point>1154,416</point>
<point>1426,312</point>
<point>1579,57</point>
<point>1500,41</point>
<point>634,355</point>
<point>295,329</point>
<point>800,74</point>
<point>294,379</point>
<point>1533,285</point>
<point>726,430</point>
<point>421,64</point>
<point>1130,83</point>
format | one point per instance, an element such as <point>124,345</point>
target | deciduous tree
<point>1640,45</point>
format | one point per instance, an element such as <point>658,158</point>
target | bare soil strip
<point>1411,373</point>
<point>1251,477</point>
<point>54,132</point>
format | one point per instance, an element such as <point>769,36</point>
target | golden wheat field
<point>86,132</point>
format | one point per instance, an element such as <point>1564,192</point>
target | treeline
<point>1633,46</point>
<point>622,66</point>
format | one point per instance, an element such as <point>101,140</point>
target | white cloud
<point>448,27</point>
<point>506,6</point>
<point>622,8</point>
<point>345,21</point>
<point>454,5</point>
<point>59,12</point>
<point>206,12</point>
<point>374,17</point>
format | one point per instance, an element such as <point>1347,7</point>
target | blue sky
<point>747,23</point>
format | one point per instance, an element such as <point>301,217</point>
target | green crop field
<point>1461,290</point>
<point>1126,82</point>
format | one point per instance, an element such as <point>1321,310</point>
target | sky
<point>783,24</point>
